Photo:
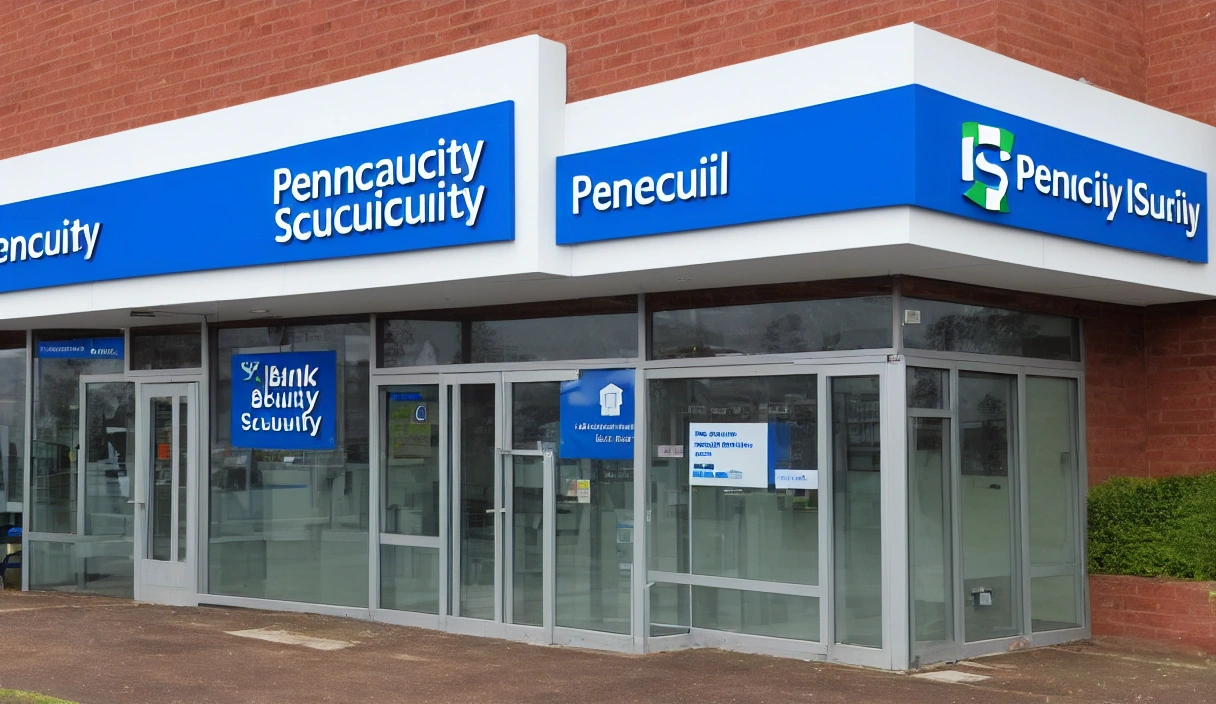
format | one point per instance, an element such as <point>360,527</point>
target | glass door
<point>989,540</point>
<point>166,488</point>
<point>475,406</point>
<point>503,440</point>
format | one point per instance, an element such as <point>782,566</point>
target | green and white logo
<point>975,136</point>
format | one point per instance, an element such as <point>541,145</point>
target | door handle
<point>496,510</point>
<point>137,503</point>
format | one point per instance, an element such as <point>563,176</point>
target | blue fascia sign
<point>285,400</point>
<point>437,182</point>
<point>596,415</point>
<point>82,348</point>
<point>907,146</point>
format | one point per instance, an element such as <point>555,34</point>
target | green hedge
<point>1154,527</point>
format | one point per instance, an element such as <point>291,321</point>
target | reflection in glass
<point>292,524</point>
<point>929,526</point>
<point>958,327</point>
<point>12,425</point>
<point>928,388</point>
<point>183,473</point>
<point>605,336</point>
<point>670,609</point>
<point>857,509</point>
<point>411,460</point>
<point>478,454</point>
<point>409,578</point>
<point>990,595</point>
<point>1056,582</point>
<point>526,476</point>
<point>167,347</point>
<point>420,343</point>
<point>772,328</point>
<point>160,495</point>
<point>756,613</point>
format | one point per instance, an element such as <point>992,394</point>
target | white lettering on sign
<point>452,167</point>
<point>285,388</point>
<point>72,238</point>
<point>710,180</point>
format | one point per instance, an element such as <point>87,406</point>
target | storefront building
<point>799,355</point>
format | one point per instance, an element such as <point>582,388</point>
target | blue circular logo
<point>420,413</point>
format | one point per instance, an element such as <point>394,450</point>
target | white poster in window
<point>728,454</point>
<point>796,478</point>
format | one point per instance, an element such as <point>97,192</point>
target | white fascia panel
<point>529,71</point>
<point>1032,93</point>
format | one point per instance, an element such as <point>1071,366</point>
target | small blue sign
<point>898,147</point>
<point>597,415</point>
<point>285,401</point>
<point>83,348</point>
<point>442,181</point>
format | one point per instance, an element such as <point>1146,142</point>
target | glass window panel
<point>478,454</point>
<point>160,499</point>
<point>12,425</point>
<point>167,347</point>
<point>756,613</point>
<point>56,440</point>
<point>535,415</point>
<point>594,548</point>
<point>928,388</point>
<point>409,578</point>
<point>543,339</point>
<point>857,492</point>
<point>411,460</point>
<point>958,327</point>
<point>670,609</point>
<point>420,343</point>
<point>764,534</point>
<point>526,484</point>
<point>930,538</point>
<point>79,567</point>
<point>772,328</point>
<point>1054,481</point>
<point>987,407</point>
<point>292,524</point>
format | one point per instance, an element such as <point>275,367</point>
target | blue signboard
<point>910,146</point>
<point>597,415</point>
<point>285,400</point>
<point>83,348</point>
<point>437,182</point>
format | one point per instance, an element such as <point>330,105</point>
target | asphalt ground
<point>96,650</point>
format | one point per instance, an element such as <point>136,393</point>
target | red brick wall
<point>73,70</point>
<point>1165,610</point>
<point>1180,48</point>
<point>1180,382</point>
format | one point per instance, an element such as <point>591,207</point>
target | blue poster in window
<point>597,415</point>
<point>285,400</point>
<point>83,348</point>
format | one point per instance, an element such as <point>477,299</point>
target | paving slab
<point>97,650</point>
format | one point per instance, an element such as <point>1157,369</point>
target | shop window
<point>748,527</point>
<point>770,320</point>
<point>585,329</point>
<point>92,509</point>
<point>958,327</point>
<point>167,347</point>
<point>12,419</point>
<point>292,524</point>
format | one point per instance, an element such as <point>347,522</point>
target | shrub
<point>1154,527</point>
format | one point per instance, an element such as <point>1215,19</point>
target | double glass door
<point>994,513</point>
<point>508,537</point>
